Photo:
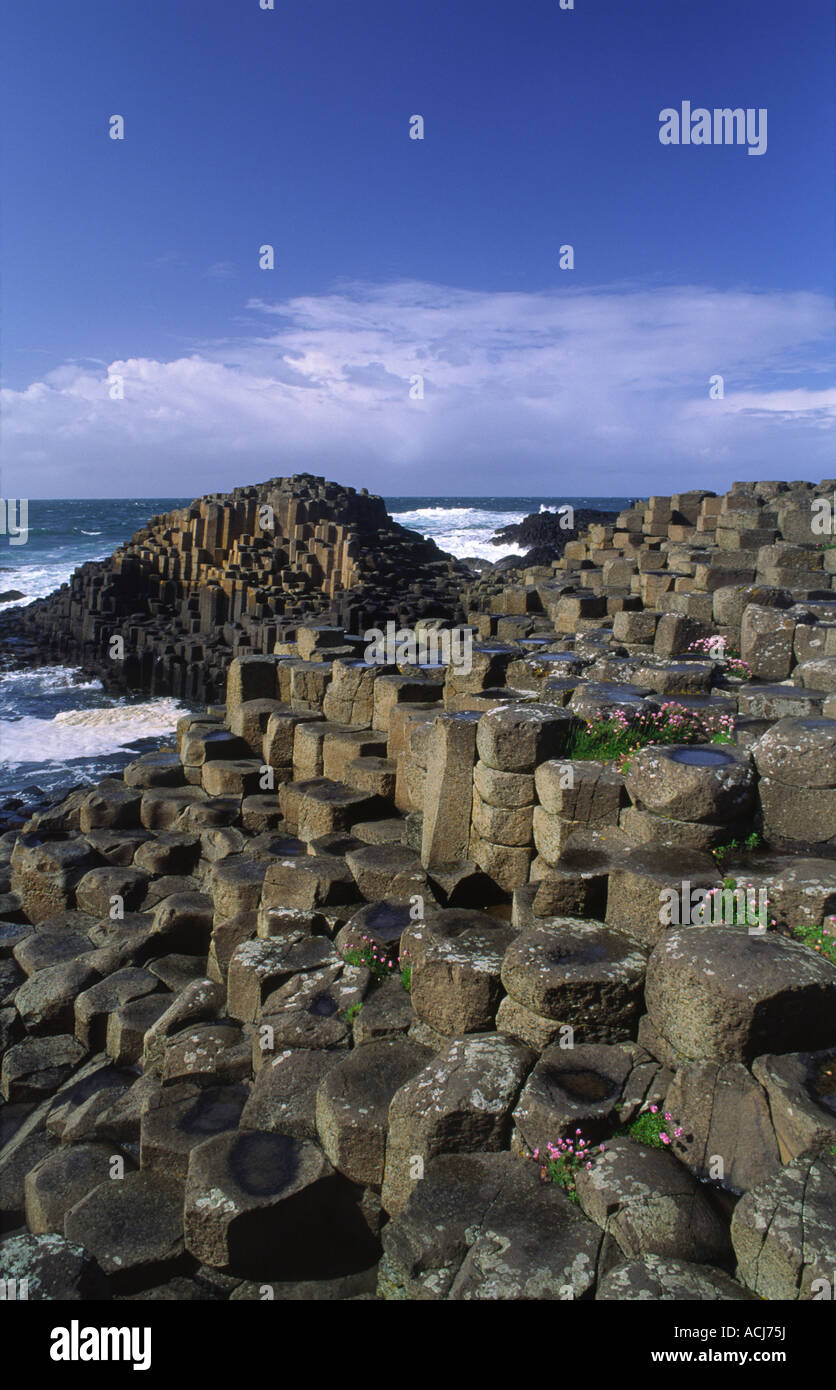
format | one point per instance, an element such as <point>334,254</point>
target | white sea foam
<point>36,581</point>
<point>463,531</point>
<point>45,679</point>
<point>85,733</point>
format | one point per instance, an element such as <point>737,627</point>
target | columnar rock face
<point>307,997</point>
<point>236,573</point>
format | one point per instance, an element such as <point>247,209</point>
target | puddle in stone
<point>322,1006</point>
<point>701,757</point>
<point>264,1164</point>
<point>284,849</point>
<point>388,920</point>
<point>582,1085</point>
<point>576,955</point>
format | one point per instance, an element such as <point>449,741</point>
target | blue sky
<point>397,258</point>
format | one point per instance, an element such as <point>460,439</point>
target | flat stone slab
<point>484,1226</point>
<point>648,1203</point>
<point>61,1179</point>
<point>132,1226</point>
<point>721,994</point>
<point>283,1098</point>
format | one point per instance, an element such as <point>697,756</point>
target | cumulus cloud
<point>573,391</point>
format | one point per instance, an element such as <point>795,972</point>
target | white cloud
<point>575,392</point>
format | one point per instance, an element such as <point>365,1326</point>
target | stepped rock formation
<point>233,574</point>
<point>327,974</point>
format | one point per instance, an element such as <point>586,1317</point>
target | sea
<point>59,729</point>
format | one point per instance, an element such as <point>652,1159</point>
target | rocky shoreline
<point>389,970</point>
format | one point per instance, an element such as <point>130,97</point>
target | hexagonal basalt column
<point>581,974</point>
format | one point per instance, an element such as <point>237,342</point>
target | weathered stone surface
<point>212,1052</point>
<point>483,1226</point>
<point>583,974</point>
<point>258,1201</point>
<point>45,869</point>
<point>502,825</point>
<point>460,1102</point>
<point>702,782</point>
<point>100,890</point>
<point>183,1115</point>
<point>638,880</point>
<point>46,1001</point>
<point>185,920</point>
<point>310,1010</point>
<point>798,752</point>
<point>798,817</point>
<point>766,642</point>
<point>387,871</point>
<point>456,957</point>
<point>52,1268</point>
<point>164,808</point>
<point>506,865</point>
<point>572,1088</point>
<point>168,853</point>
<point>719,994</point>
<point>528,1027</point>
<point>93,1005</point>
<point>283,1099</point>
<point>61,1179</point>
<point>352,1104</point>
<point>128,1026</point>
<point>259,967</point>
<point>505,789</point>
<point>517,738</point>
<point>308,882</point>
<point>587,792</point>
<point>55,941</point>
<point>655,1279</point>
<point>648,1203</point>
<point>36,1067</point>
<point>112,804</point>
<point>448,791</point>
<point>801,1087</point>
<point>727,1134</point>
<point>133,1227</point>
<point>93,1089</point>
<point>199,1002</point>
<point>784,1232</point>
<point>385,1013</point>
<point>161,769</point>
